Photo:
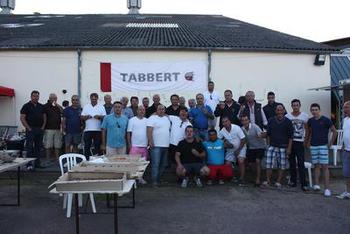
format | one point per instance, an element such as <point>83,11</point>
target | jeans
<point>298,152</point>
<point>201,133</point>
<point>90,136</point>
<point>34,142</point>
<point>159,156</point>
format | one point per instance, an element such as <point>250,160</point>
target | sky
<point>318,20</point>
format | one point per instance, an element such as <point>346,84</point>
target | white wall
<point>46,72</point>
<point>288,75</point>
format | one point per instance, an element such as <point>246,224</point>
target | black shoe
<point>241,183</point>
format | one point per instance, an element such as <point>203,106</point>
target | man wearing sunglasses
<point>114,130</point>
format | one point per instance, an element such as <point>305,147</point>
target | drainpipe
<point>209,65</point>
<point>79,72</point>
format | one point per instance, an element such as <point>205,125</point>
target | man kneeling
<point>215,148</point>
<point>189,158</point>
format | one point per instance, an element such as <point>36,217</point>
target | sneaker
<point>209,182</point>
<point>198,182</point>
<point>327,193</point>
<point>221,182</point>
<point>184,183</point>
<point>344,195</point>
<point>265,184</point>
<point>304,188</point>
<point>292,185</point>
<point>155,185</point>
<point>142,181</point>
<point>241,183</point>
<point>30,168</point>
<point>278,185</point>
<point>316,187</point>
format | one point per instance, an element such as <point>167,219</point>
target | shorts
<point>111,151</point>
<point>276,158</point>
<point>346,163</point>
<point>52,139</point>
<point>72,139</point>
<point>139,150</point>
<point>254,154</point>
<point>319,154</point>
<point>230,154</point>
<point>220,172</point>
<point>193,168</point>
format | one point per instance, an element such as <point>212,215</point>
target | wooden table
<point>17,163</point>
<point>116,193</point>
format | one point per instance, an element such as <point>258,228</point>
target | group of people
<point>189,138</point>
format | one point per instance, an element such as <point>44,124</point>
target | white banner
<point>160,76</point>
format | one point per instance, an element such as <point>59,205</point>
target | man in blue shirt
<point>71,125</point>
<point>199,117</point>
<point>317,140</point>
<point>215,149</point>
<point>114,129</point>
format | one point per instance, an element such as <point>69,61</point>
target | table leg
<point>76,203</point>
<point>18,190</point>
<point>133,196</point>
<point>108,201</point>
<point>115,196</point>
<point>18,186</point>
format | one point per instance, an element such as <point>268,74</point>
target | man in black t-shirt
<point>189,158</point>
<point>33,119</point>
<point>280,139</point>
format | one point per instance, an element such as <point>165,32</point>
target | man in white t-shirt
<point>299,120</point>
<point>158,134</point>
<point>92,114</point>
<point>234,140</point>
<point>137,136</point>
<point>211,99</point>
<point>346,151</point>
<point>177,131</point>
<point>137,133</point>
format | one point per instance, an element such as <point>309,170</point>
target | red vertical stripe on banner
<point>106,77</point>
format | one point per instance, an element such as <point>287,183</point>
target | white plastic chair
<point>69,161</point>
<point>337,147</point>
<point>308,166</point>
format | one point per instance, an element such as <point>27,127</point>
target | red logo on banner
<point>189,76</point>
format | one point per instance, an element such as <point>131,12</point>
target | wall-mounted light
<point>320,59</point>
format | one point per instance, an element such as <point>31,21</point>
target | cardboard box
<point>90,181</point>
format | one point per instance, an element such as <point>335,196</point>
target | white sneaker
<point>209,182</point>
<point>344,195</point>
<point>316,187</point>
<point>184,183</point>
<point>327,193</point>
<point>221,182</point>
<point>198,182</point>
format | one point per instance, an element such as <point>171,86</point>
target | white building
<point>63,54</point>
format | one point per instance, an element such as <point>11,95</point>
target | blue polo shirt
<point>116,128</point>
<point>199,119</point>
<point>215,152</point>
<point>319,130</point>
<point>73,123</point>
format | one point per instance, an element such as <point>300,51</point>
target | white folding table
<point>17,163</point>
<point>116,193</point>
